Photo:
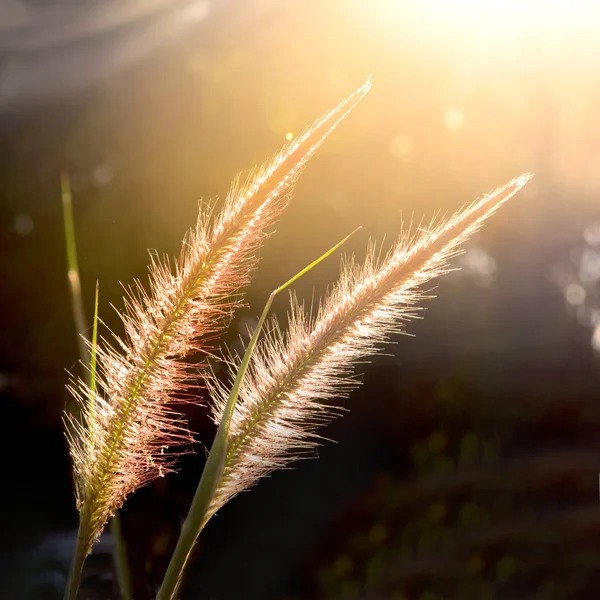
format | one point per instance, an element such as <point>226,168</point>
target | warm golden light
<point>489,22</point>
<point>535,13</point>
<point>502,16</point>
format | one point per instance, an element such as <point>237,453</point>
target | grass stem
<point>120,558</point>
<point>88,360</point>
<point>76,569</point>
<point>73,268</point>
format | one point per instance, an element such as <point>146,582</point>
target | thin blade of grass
<point>94,342</point>
<point>251,345</point>
<point>73,268</point>
<point>93,357</point>
<point>88,359</point>
<point>198,514</point>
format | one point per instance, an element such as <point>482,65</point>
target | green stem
<point>88,359</point>
<point>76,569</point>
<point>199,514</point>
<point>196,519</point>
<point>120,558</point>
<point>73,268</point>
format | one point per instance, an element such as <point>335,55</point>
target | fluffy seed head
<point>291,378</point>
<point>128,421</point>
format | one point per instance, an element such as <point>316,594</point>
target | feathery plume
<point>291,378</point>
<point>127,421</point>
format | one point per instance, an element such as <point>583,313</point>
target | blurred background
<point>468,463</point>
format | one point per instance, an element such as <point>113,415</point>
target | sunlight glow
<point>501,16</point>
<point>509,13</point>
<point>530,13</point>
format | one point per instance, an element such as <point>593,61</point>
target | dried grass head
<point>292,377</point>
<point>128,420</point>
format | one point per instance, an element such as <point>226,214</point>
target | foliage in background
<point>479,513</point>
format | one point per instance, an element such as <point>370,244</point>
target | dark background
<point>468,465</point>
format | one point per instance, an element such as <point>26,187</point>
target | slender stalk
<point>198,514</point>
<point>88,359</point>
<point>94,353</point>
<point>76,569</point>
<point>120,558</point>
<point>73,267</point>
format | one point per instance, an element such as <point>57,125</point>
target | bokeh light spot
<point>102,174</point>
<point>596,339</point>
<point>437,512</point>
<point>377,534</point>
<point>343,565</point>
<point>402,147</point>
<point>591,234</point>
<point>575,294</point>
<point>437,441</point>
<point>24,225</point>
<point>506,568</point>
<point>480,265</point>
<point>475,564</point>
<point>454,119</point>
<point>589,267</point>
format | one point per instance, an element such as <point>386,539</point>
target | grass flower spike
<point>291,378</point>
<point>127,420</point>
<point>283,384</point>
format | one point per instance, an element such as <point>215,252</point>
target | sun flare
<point>500,18</point>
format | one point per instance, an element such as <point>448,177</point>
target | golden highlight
<point>127,420</point>
<point>291,377</point>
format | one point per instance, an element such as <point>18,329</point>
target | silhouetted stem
<point>120,558</point>
<point>199,513</point>
<point>76,569</point>
<point>197,517</point>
